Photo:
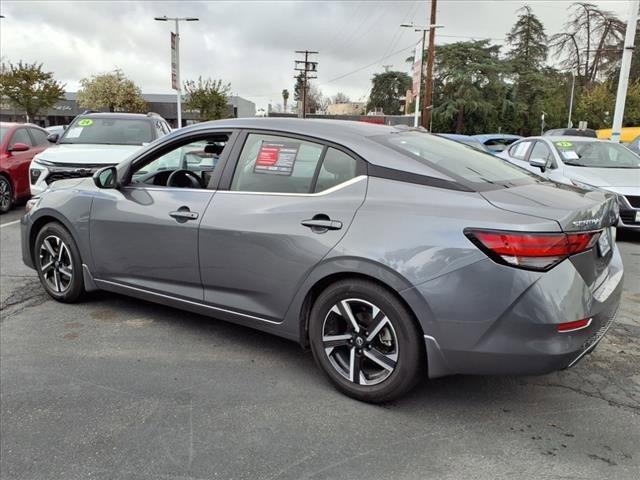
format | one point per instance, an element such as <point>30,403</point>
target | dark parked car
<point>393,254</point>
<point>19,142</point>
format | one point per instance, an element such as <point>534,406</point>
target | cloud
<point>248,43</point>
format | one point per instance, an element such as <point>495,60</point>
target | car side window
<point>21,136</point>
<point>541,150</point>
<point>200,157</point>
<point>39,137</point>
<point>519,150</point>
<point>337,167</point>
<point>270,163</point>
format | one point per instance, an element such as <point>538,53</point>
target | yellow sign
<point>85,122</point>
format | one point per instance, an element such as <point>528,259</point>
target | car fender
<point>57,206</point>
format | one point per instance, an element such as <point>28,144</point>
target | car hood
<point>605,177</point>
<point>574,209</point>
<point>87,154</point>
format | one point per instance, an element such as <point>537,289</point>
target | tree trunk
<point>460,120</point>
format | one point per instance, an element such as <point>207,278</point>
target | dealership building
<point>163,104</point>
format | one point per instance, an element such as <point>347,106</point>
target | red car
<point>19,143</point>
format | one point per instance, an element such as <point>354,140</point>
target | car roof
<point>487,136</point>
<point>18,124</point>
<point>137,116</point>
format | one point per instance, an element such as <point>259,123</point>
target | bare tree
<point>589,36</point>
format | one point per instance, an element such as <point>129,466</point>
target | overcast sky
<point>249,44</point>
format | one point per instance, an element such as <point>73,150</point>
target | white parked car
<point>93,141</point>
<point>586,163</point>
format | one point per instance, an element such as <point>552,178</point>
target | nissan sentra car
<point>394,255</point>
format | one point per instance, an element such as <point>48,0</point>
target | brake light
<point>533,251</point>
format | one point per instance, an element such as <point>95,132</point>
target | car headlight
<point>43,162</point>
<point>31,204</point>
<point>584,186</point>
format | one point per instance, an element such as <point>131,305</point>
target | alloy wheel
<point>55,264</point>
<point>360,341</point>
<point>5,194</point>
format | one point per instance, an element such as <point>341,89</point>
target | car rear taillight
<point>532,251</point>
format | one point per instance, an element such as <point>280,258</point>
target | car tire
<point>58,263</point>
<point>379,360</point>
<point>6,194</point>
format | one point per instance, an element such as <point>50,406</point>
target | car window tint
<point>109,131</point>
<point>541,150</point>
<point>337,167</point>
<point>21,136</point>
<point>39,136</point>
<point>200,157</point>
<point>270,163</point>
<point>519,150</point>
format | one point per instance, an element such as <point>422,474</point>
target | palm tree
<point>285,98</point>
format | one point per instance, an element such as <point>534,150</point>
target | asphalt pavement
<point>117,388</point>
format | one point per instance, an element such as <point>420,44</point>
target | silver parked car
<point>393,254</point>
<point>587,163</point>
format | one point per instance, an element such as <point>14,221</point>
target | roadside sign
<point>174,61</point>
<point>417,64</point>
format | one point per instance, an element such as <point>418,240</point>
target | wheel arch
<point>339,269</point>
<point>44,218</point>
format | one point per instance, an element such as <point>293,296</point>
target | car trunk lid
<point>575,210</point>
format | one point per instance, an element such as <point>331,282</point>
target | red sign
<point>268,156</point>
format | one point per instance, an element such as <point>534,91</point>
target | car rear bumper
<point>515,332</point>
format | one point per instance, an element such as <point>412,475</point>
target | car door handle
<point>321,224</point>
<point>183,214</point>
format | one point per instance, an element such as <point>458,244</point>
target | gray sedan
<point>391,254</point>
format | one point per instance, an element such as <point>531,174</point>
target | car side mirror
<point>18,147</point>
<point>53,137</point>
<point>541,163</point>
<point>106,177</point>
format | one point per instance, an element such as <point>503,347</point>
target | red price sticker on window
<point>268,156</point>
<point>276,158</point>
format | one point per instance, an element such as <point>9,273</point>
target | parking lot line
<point>9,223</point>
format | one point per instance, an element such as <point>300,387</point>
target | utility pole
<point>623,81</point>
<point>175,53</point>
<point>428,91</point>
<point>307,68</point>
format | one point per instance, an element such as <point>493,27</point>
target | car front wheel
<point>58,263</point>
<point>366,341</point>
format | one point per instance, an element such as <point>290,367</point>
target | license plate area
<point>604,242</point>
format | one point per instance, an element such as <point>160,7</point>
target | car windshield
<point>108,131</point>
<point>458,160</point>
<point>596,154</point>
<point>3,132</point>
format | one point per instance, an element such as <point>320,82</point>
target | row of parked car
<point>32,158</point>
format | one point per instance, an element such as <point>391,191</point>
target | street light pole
<point>623,81</point>
<point>177,21</point>
<point>424,31</point>
<point>573,86</point>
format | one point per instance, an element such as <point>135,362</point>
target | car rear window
<point>470,167</point>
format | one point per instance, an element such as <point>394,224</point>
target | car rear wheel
<point>6,194</point>
<point>58,263</point>
<point>366,341</point>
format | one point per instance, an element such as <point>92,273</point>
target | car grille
<point>62,173</point>
<point>629,217</point>
<point>592,341</point>
<point>634,200</point>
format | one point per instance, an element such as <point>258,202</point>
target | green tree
<point>388,92</point>
<point>285,98</point>
<point>28,87</point>
<point>471,95</point>
<point>209,97</point>
<point>528,53</point>
<point>340,98</point>
<point>596,105</point>
<point>111,91</point>
<point>298,87</point>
